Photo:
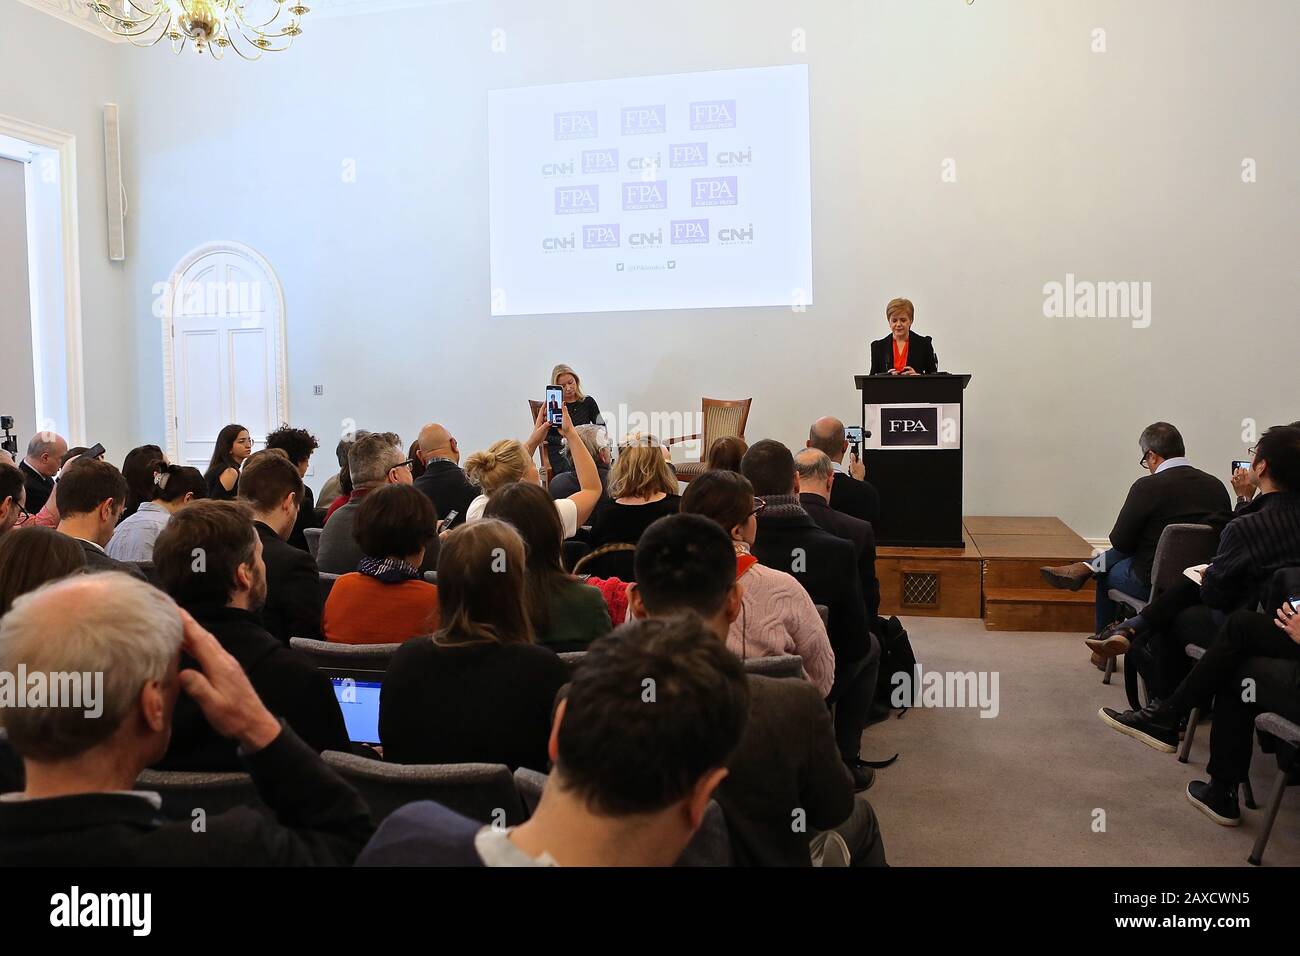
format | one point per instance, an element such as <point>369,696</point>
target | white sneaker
<point>835,852</point>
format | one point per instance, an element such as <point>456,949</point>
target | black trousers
<point>1248,646</point>
<point>853,693</point>
<point>1194,625</point>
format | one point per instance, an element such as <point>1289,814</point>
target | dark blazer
<point>39,488</point>
<point>319,820</point>
<point>1176,495</point>
<point>306,519</point>
<point>288,683</point>
<point>1262,539</point>
<point>864,543</point>
<point>97,560</point>
<point>920,354</point>
<point>786,759</point>
<point>857,498</point>
<point>827,567</point>
<point>447,487</point>
<point>423,833</point>
<point>294,603</point>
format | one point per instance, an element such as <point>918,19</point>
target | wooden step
<point>1038,609</point>
<point>1021,573</point>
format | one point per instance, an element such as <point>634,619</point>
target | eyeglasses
<point>1143,462</point>
<point>759,505</point>
<point>1252,450</point>
<point>409,463</point>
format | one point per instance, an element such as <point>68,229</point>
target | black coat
<point>306,519</point>
<point>97,560</point>
<point>319,821</point>
<point>827,567</point>
<point>39,488</point>
<point>920,354</point>
<point>864,543</point>
<point>447,487</point>
<point>293,591</point>
<point>856,498</point>
<point>288,683</point>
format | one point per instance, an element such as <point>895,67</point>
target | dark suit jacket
<point>447,487</point>
<point>293,592</point>
<point>920,354</point>
<point>319,821</point>
<point>857,498</point>
<point>39,488</point>
<point>288,683</point>
<point>786,760</point>
<point>1262,539</point>
<point>827,567</point>
<point>306,519</point>
<point>1176,495</point>
<point>97,560</point>
<point>864,543</point>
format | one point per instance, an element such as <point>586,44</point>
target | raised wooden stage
<point>994,576</point>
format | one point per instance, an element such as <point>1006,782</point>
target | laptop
<point>357,692</point>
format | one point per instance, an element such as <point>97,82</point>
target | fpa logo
<point>646,240</point>
<point>714,191</point>
<point>652,195</point>
<point>600,237</point>
<point>559,243</point>
<point>713,114</point>
<point>688,154</point>
<point>576,124</point>
<point>636,120</point>
<point>577,199</point>
<point>689,230</point>
<point>909,426</point>
<point>599,161</point>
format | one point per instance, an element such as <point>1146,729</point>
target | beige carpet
<point>1021,789</point>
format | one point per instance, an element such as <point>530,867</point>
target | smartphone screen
<point>97,451</point>
<point>1240,464</point>
<point>854,434</point>
<point>555,405</point>
<point>1295,603</point>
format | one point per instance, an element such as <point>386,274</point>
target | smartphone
<point>95,451</point>
<point>1295,603</point>
<point>555,405</point>
<point>1240,464</point>
<point>451,517</point>
<point>854,434</point>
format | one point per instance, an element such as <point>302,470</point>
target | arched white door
<point>223,348</point>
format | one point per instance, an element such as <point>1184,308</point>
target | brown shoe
<point>1111,642</point>
<point>1098,661</point>
<point>1069,577</point>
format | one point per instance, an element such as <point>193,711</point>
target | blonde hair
<point>641,470</point>
<point>503,462</point>
<point>565,370</point>
<point>900,305</point>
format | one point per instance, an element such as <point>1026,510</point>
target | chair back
<point>326,585</point>
<point>481,791</point>
<point>1180,547</point>
<point>336,655</point>
<point>724,418</point>
<point>530,785</point>
<point>824,613</point>
<point>572,658</point>
<point>313,540</point>
<point>1284,584</point>
<point>615,560</point>
<point>784,665</point>
<point>183,792</point>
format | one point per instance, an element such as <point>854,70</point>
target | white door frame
<point>66,145</point>
<point>278,332</point>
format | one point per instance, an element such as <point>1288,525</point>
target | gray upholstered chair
<point>313,539</point>
<point>530,785</point>
<point>183,792</point>
<point>481,791</point>
<point>338,655</point>
<point>1287,734</point>
<point>786,665</point>
<point>572,658</point>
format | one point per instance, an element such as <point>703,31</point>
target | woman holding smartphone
<point>583,410</point>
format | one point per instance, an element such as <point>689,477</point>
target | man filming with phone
<point>851,493</point>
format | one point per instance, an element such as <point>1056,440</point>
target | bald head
<point>45,453</point>
<point>436,442</point>
<point>827,436</point>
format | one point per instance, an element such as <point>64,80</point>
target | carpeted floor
<point>1024,788</point>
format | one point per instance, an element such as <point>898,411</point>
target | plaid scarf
<point>388,570</point>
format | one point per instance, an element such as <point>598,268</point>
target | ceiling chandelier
<point>249,27</point>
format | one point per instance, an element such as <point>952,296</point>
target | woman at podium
<point>901,352</point>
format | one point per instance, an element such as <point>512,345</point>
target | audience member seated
<point>816,477</point>
<point>1173,493</point>
<point>507,461</point>
<point>827,567</point>
<point>479,690</point>
<point>776,614</point>
<point>139,468</point>
<point>642,489</point>
<point>565,613</point>
<point>78,807</point>
<point>45,456</point>
<point>631,779</point>
<point>271,485</point>
<point>298,444</point>
<point>386,600</point>
<point>564,484</point>
<point>1257,541</point>
<point>13,495</point>
<point>209,559</point>
<point>1252,651</point>
<point>32,556</point>
<point>333,489</point>
<point>91,495</point>
<point>787,760</point>
<point>348,487</point>
<point>174,486</point>
<point>1243,482</point>
<point>851,494</point>
<point>443,480</point>
<point>234,445</point>
<point>373,461</point>
<point>725,453</point>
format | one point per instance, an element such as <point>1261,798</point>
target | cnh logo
<point>636,164</point>
<point>909,426</point>
<point>558,169</point>
<point>732,235</point>
<point>734,158</point>
<point>644,240</point>
<point>559,243</point>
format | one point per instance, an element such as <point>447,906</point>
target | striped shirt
<point>1263,537</point>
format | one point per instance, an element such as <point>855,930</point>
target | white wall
<point>1123,165</point>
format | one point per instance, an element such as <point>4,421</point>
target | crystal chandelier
<point>249,27</point>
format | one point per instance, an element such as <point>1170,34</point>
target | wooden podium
<point>914,456</point>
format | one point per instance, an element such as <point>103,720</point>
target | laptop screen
<point>359,701</point>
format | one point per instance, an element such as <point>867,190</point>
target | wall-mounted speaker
<point>113,185</point>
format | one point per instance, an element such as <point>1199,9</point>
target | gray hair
<point>594,437</point>
<point>371,458</point>
<point>1163,439</point>
<point>813,464</point>
<point>108,624</point>
<point>42,443</point>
